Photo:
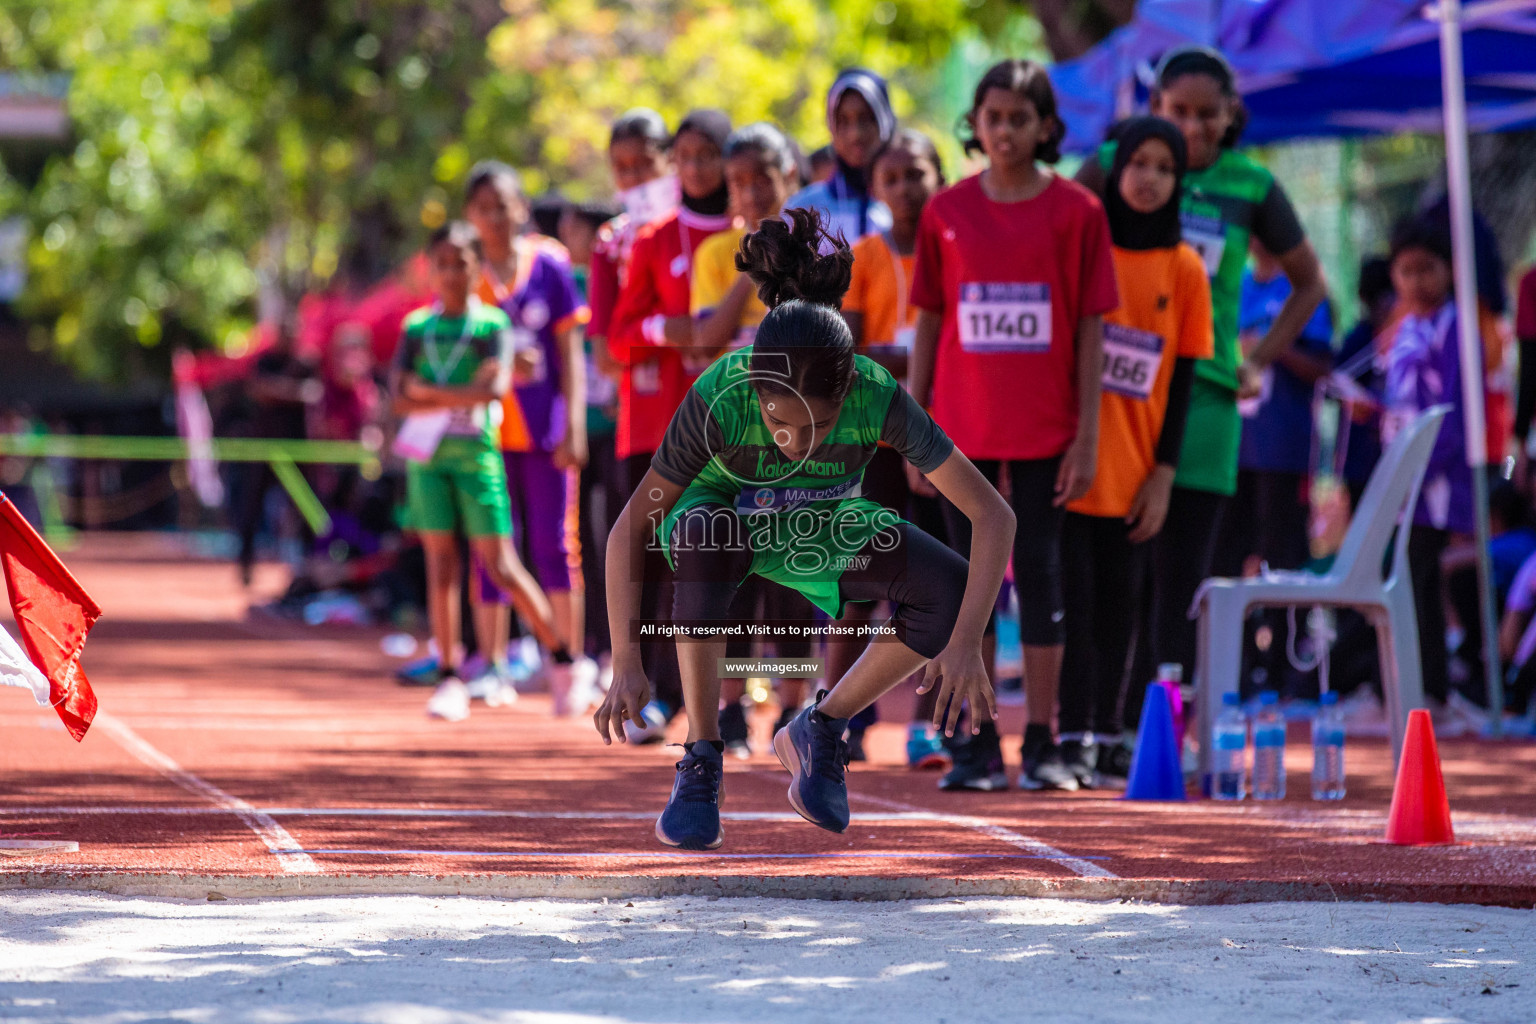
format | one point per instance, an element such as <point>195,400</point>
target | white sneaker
<point>450,701</point>
<point>654,729</point>
<point>1448,722</point>
<point>559,678</point>
<point>527,665</point>
<point>586,691</point>
<point>494,686</point>
<point>1476,716</point>
<point>573,688</point>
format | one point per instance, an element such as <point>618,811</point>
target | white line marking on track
<point>899,813</point>
<point>1045,851</point>
<point>555,854</point>
<point>452,812</point>
<point>276,838</point>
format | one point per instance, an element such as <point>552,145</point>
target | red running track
<point>254,755</point>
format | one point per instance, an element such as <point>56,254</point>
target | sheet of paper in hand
<point>420,433</point>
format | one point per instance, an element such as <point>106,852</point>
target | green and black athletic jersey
<point>804,517</point>
<point>717,439</point>
<point>448,351</point>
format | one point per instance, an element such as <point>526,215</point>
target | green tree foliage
<point>588,60</point>
<point>229,155</point>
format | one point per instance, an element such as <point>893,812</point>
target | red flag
<point>53,613</point>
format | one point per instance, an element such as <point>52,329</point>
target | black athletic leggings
<point>1036,545</point>
<point>761,600</point>
<point>1101,581</point>
<point>1179,561</point>
<point>924,579</point>
<point>1267,517</point>
<point>1425,546</point>
<point>602,497</point>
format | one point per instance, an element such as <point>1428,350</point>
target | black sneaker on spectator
<point>856,745</point>
<point>734,731</point>
<point>1043,766</point>
<point>1114,765</point>
<point>978,763</point>
<point>1081,757</point>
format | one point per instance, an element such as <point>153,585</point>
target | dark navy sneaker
<point>691,819</point>
<point>1081,758</point>
<point>978,763</point>
<point>811,747</point>
<point>1043,767</point>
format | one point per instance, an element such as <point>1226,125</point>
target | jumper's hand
<point>961,676</point>
<point>627,696</point>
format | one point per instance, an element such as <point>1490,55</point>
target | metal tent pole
<point>1459,186</point>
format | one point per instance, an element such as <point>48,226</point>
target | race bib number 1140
<point>1005,317</point>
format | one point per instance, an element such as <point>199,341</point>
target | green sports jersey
<point>1224,206</point>
<point>804,518</point>
<point>448,351</point>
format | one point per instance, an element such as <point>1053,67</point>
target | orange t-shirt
<point>1165,313</point>
<point>881,290</point>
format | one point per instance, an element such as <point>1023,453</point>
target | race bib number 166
<point>1131,361</point>
<point>1005,317</point>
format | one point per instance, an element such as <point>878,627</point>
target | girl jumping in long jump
<point>759,473</point>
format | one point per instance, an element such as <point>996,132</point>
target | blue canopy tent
<point>1310,68</point>
<point>1397,85</point>
<point>1315,68</point>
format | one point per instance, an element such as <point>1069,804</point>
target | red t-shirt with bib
<point>657,284</point>
<point>1010,282</point>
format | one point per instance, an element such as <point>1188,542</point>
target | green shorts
<point>463,488</point>
<point>806,549</point>
<point>1212,435</point>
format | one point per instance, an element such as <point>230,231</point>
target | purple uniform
<point>1424,370</point>
<point>544,303</point>
<point>545,509</point>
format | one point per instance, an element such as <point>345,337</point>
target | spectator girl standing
<point>1014,275</point>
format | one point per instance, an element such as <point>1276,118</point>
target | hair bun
<point>796,258</point>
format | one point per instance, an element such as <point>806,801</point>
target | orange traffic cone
<point>1421,814</point>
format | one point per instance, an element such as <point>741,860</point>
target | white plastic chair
<point>1355,581</point>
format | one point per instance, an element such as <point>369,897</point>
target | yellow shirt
<point>714,275</point>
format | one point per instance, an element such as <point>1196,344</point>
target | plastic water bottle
<point>1328,750</point>
<point>1269,749</point>
<point>1230,765</point>
<point>1169,676</point>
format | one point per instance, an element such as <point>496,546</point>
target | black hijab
<point>1159,229</point>
<point>715,126</point>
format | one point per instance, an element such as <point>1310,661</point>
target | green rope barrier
<point>283,455</point>
<point>302,494</point>
<point>174,449</point>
